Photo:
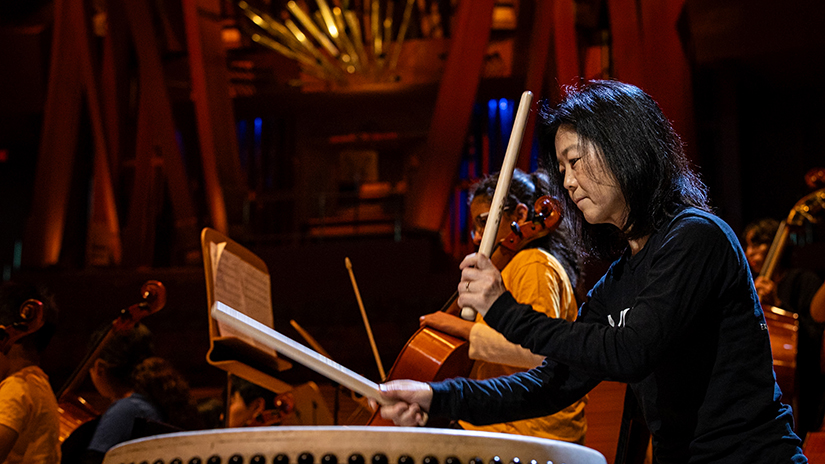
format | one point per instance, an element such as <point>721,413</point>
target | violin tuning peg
<point>516,229</point>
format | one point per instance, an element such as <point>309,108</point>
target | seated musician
<point>792,289</point>
<point>139,386</point>
<point>29,422</point>
<point>212,411</point>
<point>252,405</point>
<point>544,275</point>
<point>676,315</point>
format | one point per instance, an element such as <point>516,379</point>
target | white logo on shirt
<point>621,318</point>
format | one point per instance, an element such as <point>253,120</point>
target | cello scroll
<point>28,320</point>
<point>154,299</point>
<point>547,219</point>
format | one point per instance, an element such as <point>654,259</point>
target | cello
<point>75,411</point>
<point>432,355</point>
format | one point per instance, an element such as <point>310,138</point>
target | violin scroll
<point>547,219</point>
<point>548,211</point>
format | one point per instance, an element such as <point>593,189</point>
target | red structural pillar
<point>565,45</point>
<point>431,185</point>
<point>540,41</point>
<point>647,52</point>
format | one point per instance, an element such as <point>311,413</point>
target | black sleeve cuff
<point>438,405</point>
<point>499,309</point>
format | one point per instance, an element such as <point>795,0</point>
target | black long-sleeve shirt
<point>681,323</point>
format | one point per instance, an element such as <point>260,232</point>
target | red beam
<point>431,186</point>
<point>540,39</point>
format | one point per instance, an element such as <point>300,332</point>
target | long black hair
<point>626,130</point>
<point>527,188</point>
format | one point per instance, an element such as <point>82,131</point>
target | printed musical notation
<point>242,286</point>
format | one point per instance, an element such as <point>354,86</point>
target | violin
<point>431,355</point>
<point>73,409</point>
<point>284,408</point>
<point>27,320</point>
<point>546,219</point>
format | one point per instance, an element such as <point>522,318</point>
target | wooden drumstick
<point>269,337</point>
<point>366,320</point>
<point>488,239</point>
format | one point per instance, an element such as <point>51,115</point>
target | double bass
<point>432,355</point>
<point>75,411</point>
<point>783,326</point>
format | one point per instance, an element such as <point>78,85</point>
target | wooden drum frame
<point>348,445</point>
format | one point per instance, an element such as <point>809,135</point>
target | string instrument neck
<point>154,298</point>
<point>546,220</point>
<point>74,411</point>
<point>807,209</point>
<point>775,251</point>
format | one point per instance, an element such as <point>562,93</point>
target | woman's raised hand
<point>480,284</point>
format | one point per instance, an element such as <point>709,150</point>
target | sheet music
<point>242,286</point>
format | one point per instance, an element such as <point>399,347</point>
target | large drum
<point>348,445</point>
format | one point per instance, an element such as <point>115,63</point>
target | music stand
<point>228,351</point>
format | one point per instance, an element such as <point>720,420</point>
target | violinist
<point>676,315</point>
<point>250,404</point>
<point>29,422</point>
<point>544,275</point>
<point>792,289</point>
<point>140,386</point>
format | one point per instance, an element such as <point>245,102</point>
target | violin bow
<point>309,338</point>
<point>348,263</point>
<point>488,239</point>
